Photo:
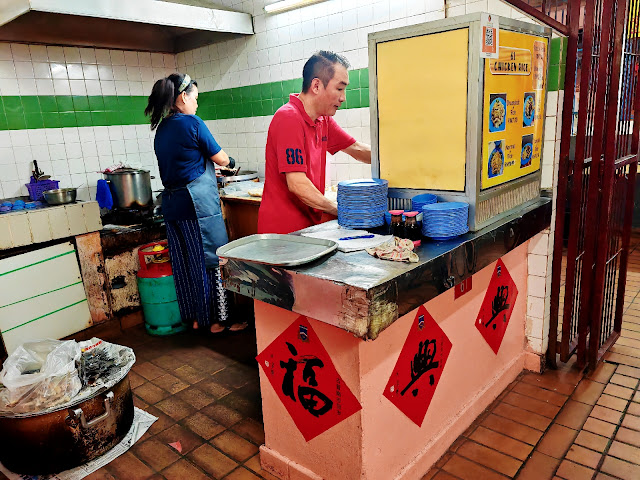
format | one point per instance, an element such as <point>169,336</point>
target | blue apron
<point>204,194</point>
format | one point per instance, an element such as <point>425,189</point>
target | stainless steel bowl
<point>60,196</point>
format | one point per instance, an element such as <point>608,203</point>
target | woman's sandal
<point>238,327</point>
<point>216,329</point>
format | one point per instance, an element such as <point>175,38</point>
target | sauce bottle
<point>397,224</point>
<point>411,229</point>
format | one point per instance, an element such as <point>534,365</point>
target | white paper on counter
<point>141,423</point>
<point>333,231</point>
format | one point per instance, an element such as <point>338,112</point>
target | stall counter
<point>335,406</point>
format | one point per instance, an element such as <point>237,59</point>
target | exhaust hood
<point>148,25</point>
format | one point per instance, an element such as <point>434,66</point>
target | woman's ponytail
<point>163,97</point>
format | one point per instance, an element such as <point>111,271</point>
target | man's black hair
<point>321,65</point>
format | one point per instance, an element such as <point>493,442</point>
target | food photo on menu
<point>529,109</point>
<point>527,151</point>
<point>496,158</point>
<point>497,112</point>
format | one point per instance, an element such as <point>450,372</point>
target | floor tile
<point>204,426</point>
<point>251,430</point>
<point>618,391</point>
<point>170,383</point>
<point>187,439</point>
<point>468,470</point>
<point>195,397</point>
<point>512,429</point>
<point>592,441</point>
<point>175,408</point>
<point>183,470</point>
<point>572,471</point>
<point>584,456</point>
<point>588,392</point>
<point>150,393</point>
<point>531,404</point>
<point>212,461</point>
<point>241,473</point>
<point>189,374</point>
<point>234,446</point>
<point>540,393</point>
<point>148,370</point>
<point>222,414</point>
<point>620,469</point>
<point>613,402</point>
<point>156,454</point>
<point>557,441</point>
<point>632,437</point>
<point>539,467</point>
<point>598,426</point>
<point>606,414</point>
<point>573,414</point>
<point>128,466</point>
<point>625,452</point>
<point>516,414</point>
<point>624,381</point>
<point>603,372</point>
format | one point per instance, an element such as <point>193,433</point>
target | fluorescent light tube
<point>285,5</point>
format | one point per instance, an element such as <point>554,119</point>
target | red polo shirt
<point>295,143</point>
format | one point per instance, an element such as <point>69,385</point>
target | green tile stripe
<point>21,112</point>
<point>557,63</point>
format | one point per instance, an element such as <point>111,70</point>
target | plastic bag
<point>102,361</point>
<point>39,375</point>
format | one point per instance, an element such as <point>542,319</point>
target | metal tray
<point>276,249</point>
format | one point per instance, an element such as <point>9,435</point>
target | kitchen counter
<point>44,224</point>
<point>416,322</point>
<point>364,295</point>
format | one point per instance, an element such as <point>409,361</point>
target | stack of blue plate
<point>362,203</point>
<point>442,221</point>
<point>421,200</point>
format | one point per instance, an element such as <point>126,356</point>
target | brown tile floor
<point>205,393</point>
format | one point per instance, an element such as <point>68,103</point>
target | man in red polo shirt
<point>300,134</point>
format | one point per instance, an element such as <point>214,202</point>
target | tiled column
<point>541,246</point>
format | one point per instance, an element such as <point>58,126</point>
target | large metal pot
<point>130,187</point>
<point>56,441</point>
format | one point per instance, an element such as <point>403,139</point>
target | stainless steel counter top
<point>364,295</point>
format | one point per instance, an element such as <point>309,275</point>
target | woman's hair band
<point>185,83</point>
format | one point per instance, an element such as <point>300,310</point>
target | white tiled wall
<point>51,70</point>
<point>74,155</point>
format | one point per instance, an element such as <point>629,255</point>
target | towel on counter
<point>396,249</point>
<point>103,195</point>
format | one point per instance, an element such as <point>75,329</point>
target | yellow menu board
<point>513,112</point>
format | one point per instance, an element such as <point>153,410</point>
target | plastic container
<point>158,291</point>
<point>36,189</point>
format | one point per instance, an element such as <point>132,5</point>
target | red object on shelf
<point>154,263</point>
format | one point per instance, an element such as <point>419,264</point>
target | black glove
<point>232,163</point>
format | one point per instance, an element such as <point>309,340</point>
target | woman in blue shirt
<point>186,152</point>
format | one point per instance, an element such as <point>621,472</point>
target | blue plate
<point>528,120</point>
<point>502,126</point>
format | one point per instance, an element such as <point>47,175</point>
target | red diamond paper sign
<point>417,372</point>
<point>306,381</point>
<point>495,312</point>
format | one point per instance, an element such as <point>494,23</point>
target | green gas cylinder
<point>158,291</point>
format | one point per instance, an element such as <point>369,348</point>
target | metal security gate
<point>597,171</point>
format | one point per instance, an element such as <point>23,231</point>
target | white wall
<point>74,155</point>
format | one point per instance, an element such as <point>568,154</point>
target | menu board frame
<point>496,201</point>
